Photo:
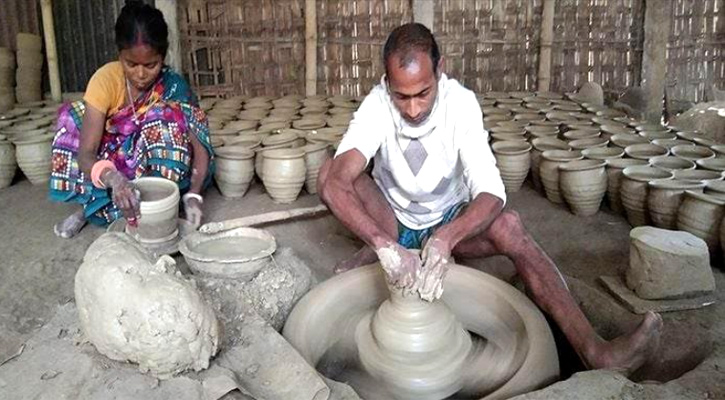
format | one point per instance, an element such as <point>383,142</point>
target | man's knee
<point>322,178</point>
<point>508,222</point>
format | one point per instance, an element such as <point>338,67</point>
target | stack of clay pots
<point>30,64</point>
<point>7,79</point>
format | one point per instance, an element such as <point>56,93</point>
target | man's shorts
<point>415,238</point>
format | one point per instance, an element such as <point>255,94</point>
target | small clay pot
<point>671,163</point>
<point>603,153</point>
<point>8,163</point>
<point>634,191</point>
<point>701,214</point>
<point>513,161</point>
<point>654,135</point>
<point>315,155</point>
<point>581,144</point>
<point>623,140</point>
<point>712,164</point>
<point>701,175</point>
<point>34,157</point>
<point>645,151</point>
<point>693,153</point>
<point>664,199</point>
<point>614,180</point>
<point>549,171</point>
<point>159,210</point>
<point>234,170</point>
<point>670,143</point>
<point>539,146</point>
<point>581,134</point>
<point>284,173</point>
<point>583,184</point>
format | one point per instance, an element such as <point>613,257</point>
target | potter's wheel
<point>169,247</point>
<point>343,328</point>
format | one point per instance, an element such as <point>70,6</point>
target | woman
<point>137,118</point>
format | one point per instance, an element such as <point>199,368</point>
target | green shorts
<point>415,238</point>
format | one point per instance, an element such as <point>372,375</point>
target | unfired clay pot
<point>671,163</point>
<point>508,137</point>
<point>634,191</point>
<point>315,155</point>
<point>34,158</point>
<point>645,151</point>
<point>670,143</point>
<point>693,153</point>
<point>712,164</point>
<point>614,180</point>
<point>702,214</point>
<point>664,200</point>
<point>284,173</point>
<point>603,153</point>
<point>583,184</point>
<point>234,170</point>
<point>513,161</point>
<point>701,175</point>
<point>8,164</point>
<point>581,144</point>
<point>539,145</point>
<point>581,134</point>
<point>623,140</point>
<point>159,210</point>
<point>549,171</point>
<point>536,131</point>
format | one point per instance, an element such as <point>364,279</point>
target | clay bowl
<point>645,151</point>
<point>536,131</point>
<point>498,137</point>
<point>712,164</point>
<point>581,144</point>
<point>581,134</point>
<point>700,175</point>
<point>693,153</point>
<point>653,135</point>
<point>236,254</point>
<point>634,190</point>
<point>670,143</point>
<point>507,129</point>
<point>509,123</point>
<point>688,135</point>
<point>648,127</point>
<point>493,120</point>
<point>715,188</point>
<point>603,153</point>
<point>719,150</point>
<point>159,210</point>
<point>671,163</point>
<point>623,140</point>
<point>611,114</point>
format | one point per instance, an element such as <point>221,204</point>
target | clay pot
<point>581,134</point>
<point>614,180</point>
<point>244,141</point>
<point>234,170</point>
<point>603,153</point>
<point>499,137</point>
<point>617,129</point>
<point>715,188</point>
<point>712,164</point>
<point>623,140</point>
<point>640,127</point>
<point>508,130</point>
<point>529,117</point>
<point>670,143</point>
<point>307,124</point>
<point>8,164</point>
<point>539,146</point>
<point>583,184</point>
<point>252,115</point>
<point>159,210</point>
<point>239,126</point>
<point>581,144</point>
<point>701,214</point>
<point>664,200</point>
<point>34,158</point>
<point>719,150</point>
<point>689,135</point>
<point>513,161</point>
<point>670,163</point>
<point>654,135</point>
<point>274,126</point>
<point>284,173</point>
<point>701,175</point>
<point>315,155</point>
<point>549,171</point>
<point>493,120</point>
<point>610,113</point>
<point>693,153</point>
<point>287,139</point>
<point>536,131</point>
<point>258,106</point>
<point>645,151</point>
<point>635,188</point>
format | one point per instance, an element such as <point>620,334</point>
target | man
<point>435,186</point>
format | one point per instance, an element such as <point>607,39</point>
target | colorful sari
<point>153,142</point>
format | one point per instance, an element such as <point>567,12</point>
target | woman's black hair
<point>140,23</point>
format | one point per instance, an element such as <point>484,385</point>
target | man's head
<point>412,66</point>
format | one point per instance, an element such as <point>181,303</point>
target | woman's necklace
<point>132,101</point>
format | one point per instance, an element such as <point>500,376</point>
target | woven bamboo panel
<point>489,45</point>
<point>598,41</point>
<point>351,35</point>
<point>253,47</point>
<point>695,56</point>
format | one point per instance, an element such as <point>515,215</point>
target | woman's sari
<point>152,141</point>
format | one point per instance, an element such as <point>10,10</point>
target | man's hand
<point>400,265</point>
<point>123,194</point>
<point>436,258</point>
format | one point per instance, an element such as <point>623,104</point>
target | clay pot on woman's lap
<point>634,191</point>
<point>583,184</point>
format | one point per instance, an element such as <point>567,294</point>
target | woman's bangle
<point>190,195</point>
<point>97,170</point>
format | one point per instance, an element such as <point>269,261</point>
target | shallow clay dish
<point>236,254</point>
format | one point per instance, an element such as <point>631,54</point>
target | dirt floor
<point>37,271</point>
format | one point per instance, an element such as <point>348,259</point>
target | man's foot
<point>366,255</point>
<point>628,352</point>
<point>70,226</point>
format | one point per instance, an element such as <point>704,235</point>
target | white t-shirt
<point>425,170</point>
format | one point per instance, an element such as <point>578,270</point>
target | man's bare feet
<point>366,255</point>
<point>70,226</point>
<point>628,352</point>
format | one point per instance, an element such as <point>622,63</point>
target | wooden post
<point>51,51</point>
<point>423,12</point>
<point>545,41</point>
<point>173,56</point>
<point>310,47</point>
<point>654,62</point>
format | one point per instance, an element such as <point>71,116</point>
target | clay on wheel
<point>134,309</point>
<point>516,354</point>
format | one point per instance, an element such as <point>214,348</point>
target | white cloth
<point>456,165</point>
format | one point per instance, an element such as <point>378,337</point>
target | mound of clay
<point>591,93</point>
<point>708,118</point>
<point>632,102</point>
<point>133,309</point>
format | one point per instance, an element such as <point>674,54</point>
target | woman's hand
<point>123,194</point>
<point>192,209</point>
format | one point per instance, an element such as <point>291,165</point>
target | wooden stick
<point>545,41</point>
<point>51,52</point>
<point>310,47</point>
<point>266,218</point>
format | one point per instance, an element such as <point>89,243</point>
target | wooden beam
<point>546,38</point>
<point>51,50</point>
<point>169,9</point>
<point>310,47</point>
<point>654,61</point>
<point>423,12</point>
